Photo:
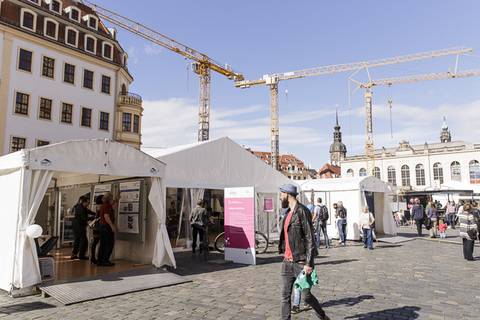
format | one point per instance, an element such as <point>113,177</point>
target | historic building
<point>448,164</point>
<point>338,150</point>
<point>63,76</point>
<point>290,165</point>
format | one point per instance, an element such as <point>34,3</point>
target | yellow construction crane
<point>272,80</point>
<point>368,97</point>
<point>202,64</point>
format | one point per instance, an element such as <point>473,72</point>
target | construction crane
<point>272,80</point>
<point>368,100</point>
<point>202,64</point>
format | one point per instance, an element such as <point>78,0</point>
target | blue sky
<point>260,37</point>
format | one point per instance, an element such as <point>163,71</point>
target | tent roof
<point>86,157</point>
<point>341,184</point>
<point>217,164</point>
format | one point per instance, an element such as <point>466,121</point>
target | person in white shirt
<point>366,224</point>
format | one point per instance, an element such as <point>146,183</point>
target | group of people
<point>102,223</point>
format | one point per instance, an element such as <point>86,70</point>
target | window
<point>104,119</point>
<point>34,1</point>
<point>86,117</point>
<point>350,173</point>
<point>21,103</point>
<point>455,171</point>
<point>474,169</point>
<point>92,22</point>
<point>107,51</point>
<point>67,113</point>
<point>56,6</point>
<point>420,174</point>
<point>45,111</point>
<point>28,19</point>
<point>71,36</point>
<point>74,13</point>
<point>362,172</point>
<point>405,176</point>
<point>41,143</point>
<point>17,144</point>
<point>127,122</point>
<point>438,172</point>
<point>106,84</point>
<point>88,79</point>
<point>136,123</point>
<point>376,173</point>
<point>25,60</point>
<point>90,44</point>
<point>392,175</point>
<point>69,73</point>
<point>48,67</point>
<point>51,28</point>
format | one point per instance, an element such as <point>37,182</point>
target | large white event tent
<point>355,193</point>
<point>26,175</point>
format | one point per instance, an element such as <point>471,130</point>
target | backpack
<point>342,213</point>
<point>323,213</point>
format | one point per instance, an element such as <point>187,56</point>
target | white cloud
<point>152,49</point>
<point>132,55</point>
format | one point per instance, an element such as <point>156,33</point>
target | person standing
<point>450,213</point>
<point>96,230</point>
<point>341,216</point>
<point>297,245</point>
<point>418,216</point>
<point>366,221</point>
<point>469,221</point>
<point>320,218</point>
<point>107,231</point>
<point>432,214</point>
<point>198,222</point>
<point>79,224</point>
<point>459,212</point>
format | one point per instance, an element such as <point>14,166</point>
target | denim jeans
<point>321,228</point>
<point>367,238</point>
<point>342,228</point>
<point>290,271</point>
<point>297,297</point>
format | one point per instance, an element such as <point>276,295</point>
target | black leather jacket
<point>300,236</point>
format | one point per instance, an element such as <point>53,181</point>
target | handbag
<point>428,223</point>
<point>94,224</point>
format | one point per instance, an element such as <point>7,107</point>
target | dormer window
<point>28,19</point>
<point>73,13</point>
<point>92,21</point>
<point>90,44</point>
<point>50,28</point>
<point>55,6</point>
<point>37,2</point>
<point>107,51</point>
<point>71,36</point>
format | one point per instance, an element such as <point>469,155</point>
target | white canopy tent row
<point>355,193</point>
<point>26,175</point>
<point>216,165</point>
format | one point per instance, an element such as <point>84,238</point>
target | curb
<point>443,241</point>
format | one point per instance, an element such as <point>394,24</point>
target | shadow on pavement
<point>387,246</point>
<point>347,301</point>
<point>335,262</point>
<point>25,307</point>
<point>407,312</point>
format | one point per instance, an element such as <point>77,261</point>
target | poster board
<point>131,210</point>
<point>240,225</point>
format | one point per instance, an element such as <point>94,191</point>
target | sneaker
<point>365,247</point>
<point>295,309</point>
<point>73,257</point>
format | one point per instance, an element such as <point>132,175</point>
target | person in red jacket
<point>442,229</point>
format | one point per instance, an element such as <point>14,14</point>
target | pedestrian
<point>341,216</point>
<point>458,213</point>
<point>198,222</point>
<point>418,216</point>
<point>469,229</point>
<point>79,225</point>
<point>107,231</point>
<point>432,214</point>
<point>95,226</point>
<point>297,245</point>
<point>450,213</point>
<point>320,218</point>
<point>366,227</point>
<point>442,228</point>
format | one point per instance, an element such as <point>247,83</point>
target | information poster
<point>129,207</point>
<point>268,204</point>
<point>100,189</point>
<point>240,225</point>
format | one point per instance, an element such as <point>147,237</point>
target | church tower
<point>445,135</point>
<point>338,150</point>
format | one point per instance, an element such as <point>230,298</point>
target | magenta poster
<point>240,225</point>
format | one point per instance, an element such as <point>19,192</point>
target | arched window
<point>362,172</point>
<point>405,176</point>
<point>474,169</point>
<point>420,174</point>
<point>376,172</point>
<point>455,171</point>
<point>438,172</point>
<point>350,173</point>
<point>28,19</point>
<point>124,89</point>
<point>392,176</point>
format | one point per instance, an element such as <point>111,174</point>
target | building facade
<point>448,164</point>
<point>338,150</point>
<point>63,76</point>
<point>290,165</point>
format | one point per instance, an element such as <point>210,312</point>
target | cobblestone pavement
<point>413,280</point>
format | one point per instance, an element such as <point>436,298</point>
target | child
<point>442,228</point>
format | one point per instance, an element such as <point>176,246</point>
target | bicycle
<point>261,242</point>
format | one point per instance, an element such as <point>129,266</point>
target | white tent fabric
<point>29,172</point>
<point>217,164</point>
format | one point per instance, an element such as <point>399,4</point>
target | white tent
<point>26,175</point>
<point>355,193</point>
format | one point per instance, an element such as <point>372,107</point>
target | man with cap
<point>297,245</point>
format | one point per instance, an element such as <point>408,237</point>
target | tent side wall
<point>351,201</point>
<point>9,198</point>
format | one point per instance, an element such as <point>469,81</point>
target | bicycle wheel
<point>220,242</point>
<point>261,242</point>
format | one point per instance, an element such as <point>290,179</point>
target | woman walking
<point>469,229</point>
<point>366,224</point>
<point>432,214</point>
